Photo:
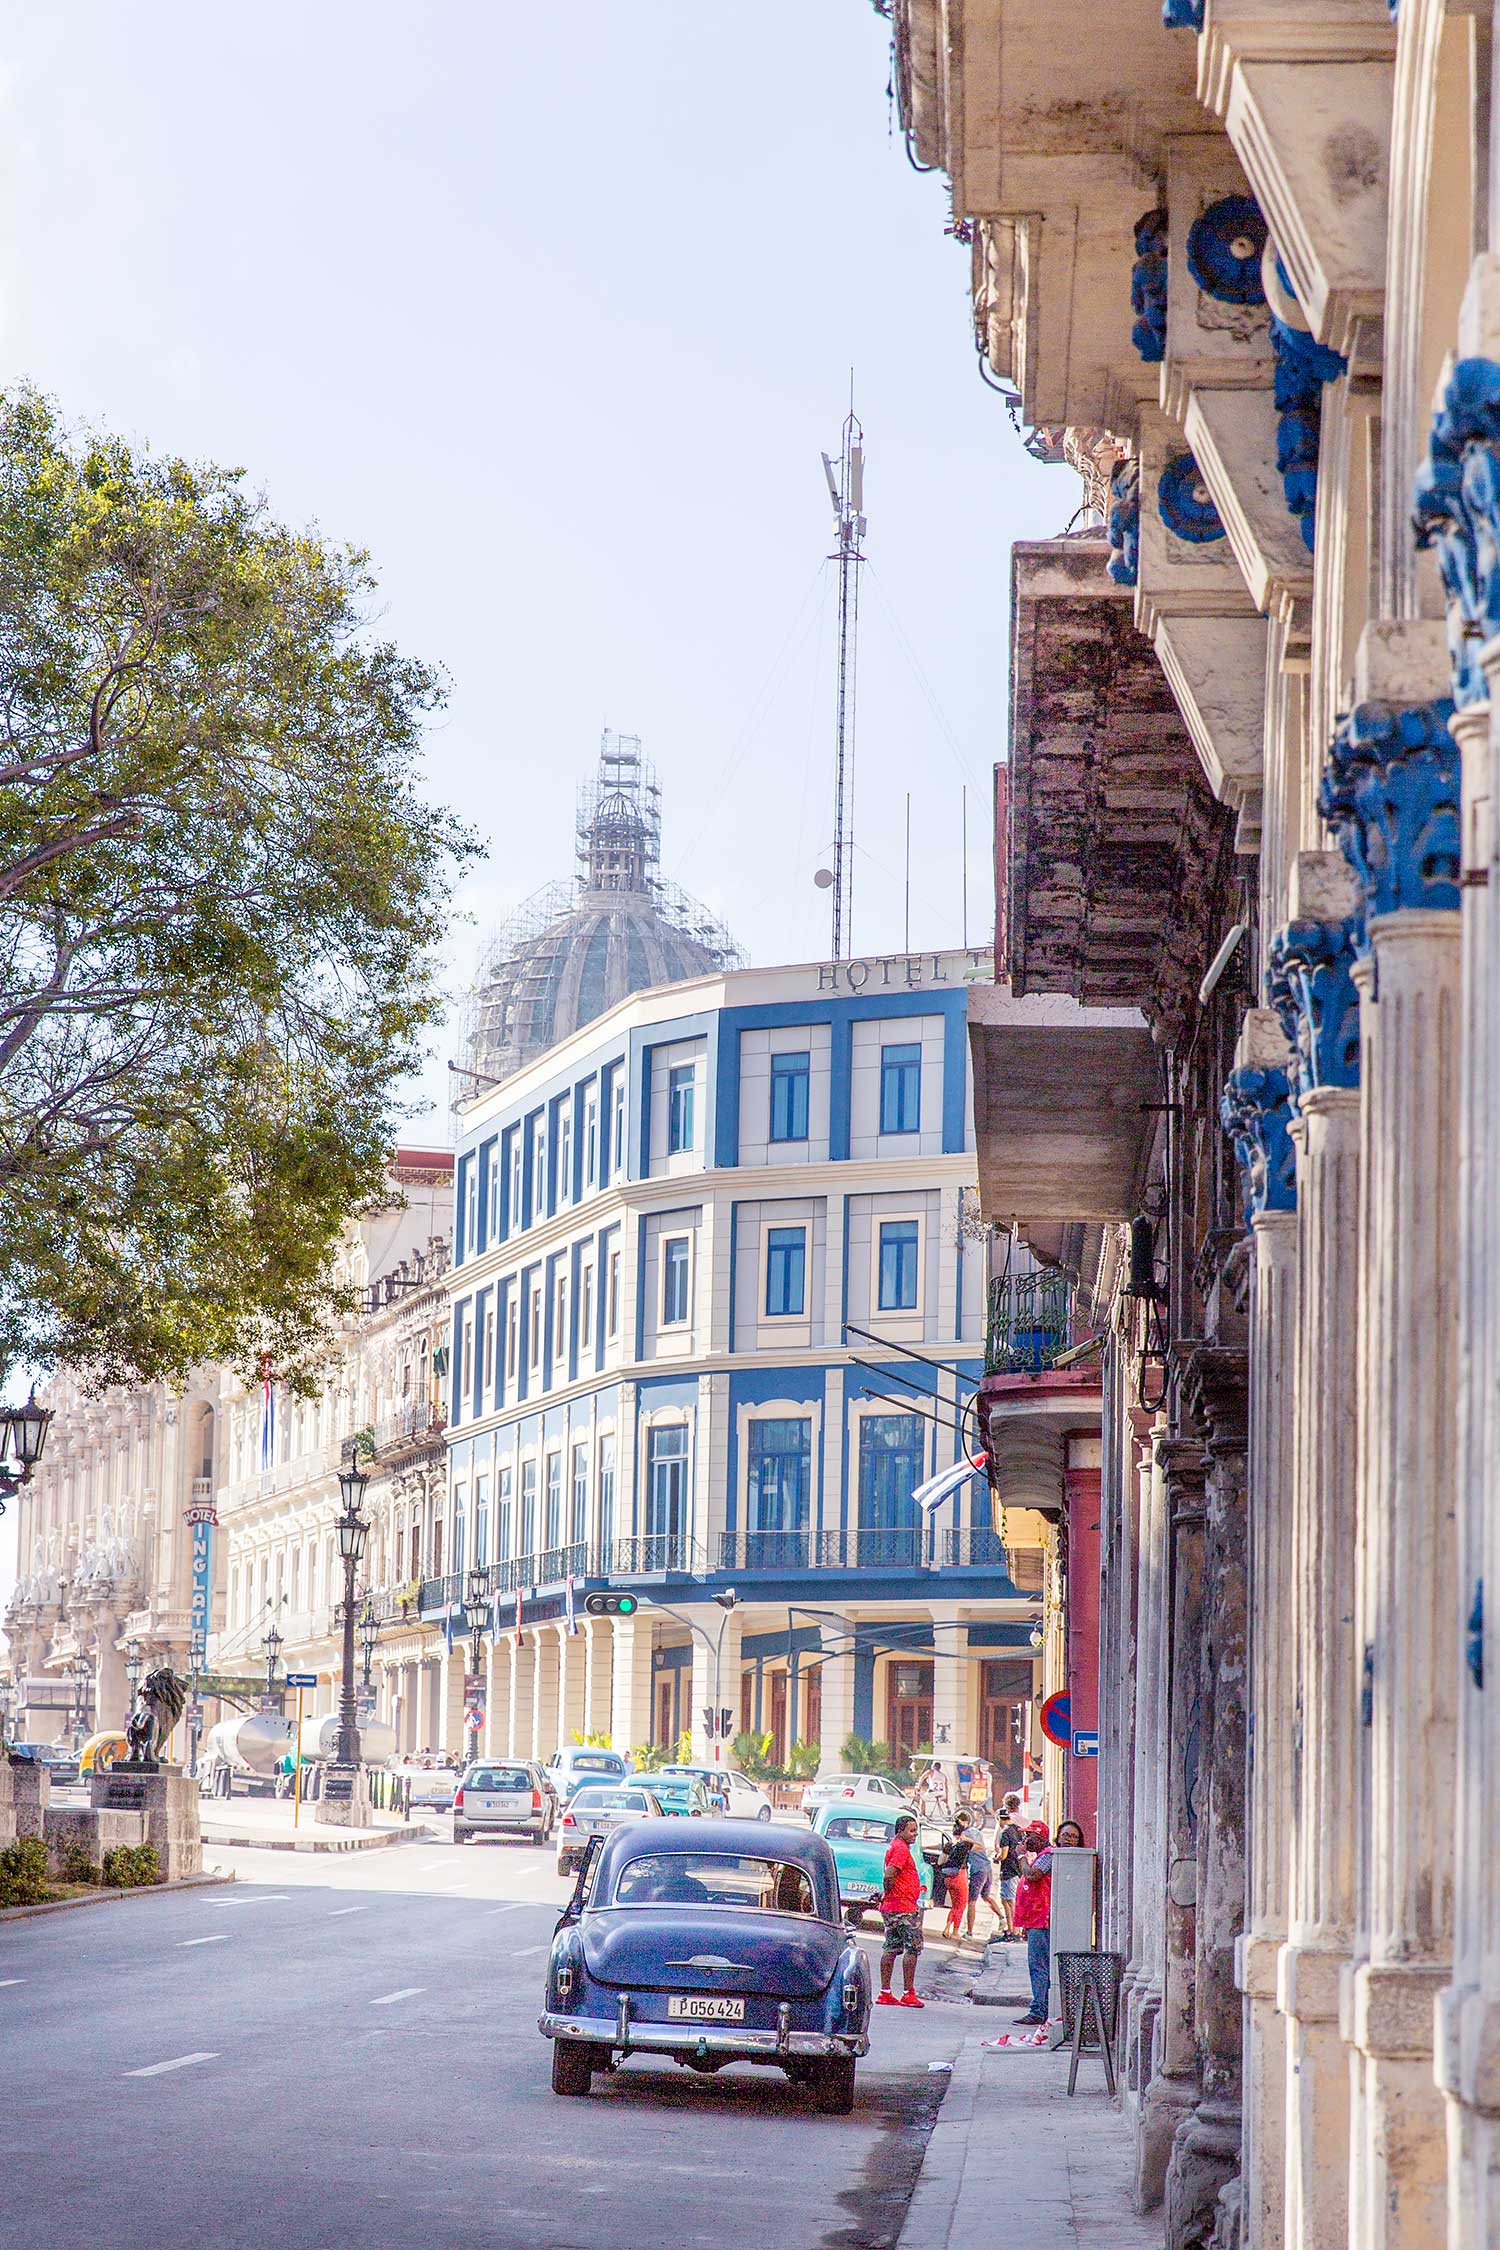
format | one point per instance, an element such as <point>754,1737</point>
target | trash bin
<point>1104,1972</point>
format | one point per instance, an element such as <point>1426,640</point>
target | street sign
<point>1055,1722</point>
<point>1085,1745</point>
<point>302,1679</point>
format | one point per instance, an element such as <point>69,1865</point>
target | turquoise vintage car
<point>859,1837</point>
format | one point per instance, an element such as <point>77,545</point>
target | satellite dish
<point>824,878</point>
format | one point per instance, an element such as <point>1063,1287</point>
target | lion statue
<point>158,1705</point>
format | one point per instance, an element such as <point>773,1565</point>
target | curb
<point>378,1841</point>
<point>101,1897</point>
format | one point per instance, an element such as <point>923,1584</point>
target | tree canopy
<point>220,896</point>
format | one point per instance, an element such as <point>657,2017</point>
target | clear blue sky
<point>553,310</point>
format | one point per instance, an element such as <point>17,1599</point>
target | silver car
<point>503,1797</point>
<point>597,1808</point>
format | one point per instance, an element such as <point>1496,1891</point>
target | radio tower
<point>846,488</point>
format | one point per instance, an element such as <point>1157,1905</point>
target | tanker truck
<point>252,1756</point>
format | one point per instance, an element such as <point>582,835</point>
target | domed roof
<point>576,949</point>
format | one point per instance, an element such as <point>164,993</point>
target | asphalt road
<point>343,2050</point>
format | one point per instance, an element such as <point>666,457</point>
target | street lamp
<point>352,1530</point>
<point>272,1647</point>
<point>23,1433</point>
<point>369,1633</point>
<point>82,1672</point>
<point>476,1609</point>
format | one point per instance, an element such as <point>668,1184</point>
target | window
<point>617,1126</point>
<point>586,1309</point>
<point>514,1214</point>
<point>503,1548</point>
<point>485,1343</point>
<point>460,1494</point>
<point>552,1509</point>
<point>612,1300</point>
<point>539,1169</point>
<point>789,1075</point>
<point>780,1479</point>
<point>591,1140</point>
<point>528,1508</point>
<point>471,1205</point>
<point>578,1528</point>
<point>465,1361</point>
<point>492,1193</point>
<point>898,1265</point>
<point>437,1547</point>
<point>680,1108</point>
<point>560,1320</point>
<point>534,1345</point>
<point>900,1089</point>
<point>606,1491</point>
<point>890,1469</point>
<point>481,1520</point>
<point>666,1481</point>
<point>565,1157</point>
<point>786,1271</point>
<point>512,1331</point>
<point>674,1280</point>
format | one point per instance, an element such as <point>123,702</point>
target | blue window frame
<point>457,1559</point>
<point>503,1548</point>
<point>528,1509</point>
<point>552,1505</point>
<point>780,1481</point>
<point>674,1280</point>
<point>606,1491</point>
<point>890,1469</point>
<point>680,1083</point>
<point>789,1079</point>
<point>898,1265</point>
<point>900,1089</point>
<point>578,1527</point>
<point>666,1481</point>
<point>481,1520</point>
<point>786,1271</point>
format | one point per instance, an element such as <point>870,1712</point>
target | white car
<point>870,1789</point>
<point>746,1799</point>
<point>595,1809</point>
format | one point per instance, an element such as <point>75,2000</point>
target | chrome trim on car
<point>631,2035</point>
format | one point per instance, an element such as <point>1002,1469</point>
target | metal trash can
<point>1089,1988</point>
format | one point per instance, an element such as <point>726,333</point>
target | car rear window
<point>499,1777</point>
<point>597,1799</point>
<point>598,1761</point>
<point>771,1886</point>
<point>858,1828</point>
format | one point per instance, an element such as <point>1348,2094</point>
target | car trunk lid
<point>783,1956</point>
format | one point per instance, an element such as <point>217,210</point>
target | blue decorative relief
<point>1303,366</point>
<point>1224,248</point>
<point>1310,984</point>
<point>1184,15</point>
<point>1148,286</point>
<point>1123,524</point>
<point>1474,1647</point>
<point>1256,1112</point>
<point>1456,509</point>
<point>1183,502</point>
<point>1390,791</point>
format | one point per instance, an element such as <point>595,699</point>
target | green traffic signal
<point>627,1606</point>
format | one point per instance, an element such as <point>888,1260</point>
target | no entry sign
<point>1056,1724</point>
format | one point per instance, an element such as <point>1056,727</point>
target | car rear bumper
<point>729,2040</point>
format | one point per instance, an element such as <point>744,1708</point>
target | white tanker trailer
<point>252,1756</point>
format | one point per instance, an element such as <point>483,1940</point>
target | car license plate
<point>860,1890</point>
<point>705,2007</point>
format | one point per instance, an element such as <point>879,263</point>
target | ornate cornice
<point>1148,287</point>
<point>1310,984</point>
<point>1456,510</point>
<point>1224,247</point>
<point>1390,792</point>
<point>1256,1111</point>
<point>1185,504</point>
<point>1123,524</point>
<point>1216,1392</point>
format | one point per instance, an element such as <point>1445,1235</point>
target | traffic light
<point>726,1720</point>
<point>610,1605</point>
<point>708,1722</point>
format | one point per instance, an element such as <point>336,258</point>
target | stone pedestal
<point>345,1802</point>
<point>28,1786</point>
<point>165,1801</point>
<point>78,1831</point>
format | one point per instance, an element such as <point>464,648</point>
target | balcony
<point>1033,1324</point>
<point>908,1548</point>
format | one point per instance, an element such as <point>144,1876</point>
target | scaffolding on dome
<point>617,891</point>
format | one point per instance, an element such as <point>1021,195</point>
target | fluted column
<point>1313,961</point>
<point>1392,789</point>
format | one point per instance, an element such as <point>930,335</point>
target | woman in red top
<point>1033,1914</point>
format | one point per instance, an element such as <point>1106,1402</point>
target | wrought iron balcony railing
<point>1033,1320</point>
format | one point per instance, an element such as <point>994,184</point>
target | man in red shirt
<point>901,1911</point>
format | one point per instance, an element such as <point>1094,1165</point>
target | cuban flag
<point>267,1414</point>
<point>495,1615</point>
<point>931,1495</point>
<point>519,1635</point>
<point>568,1610</point>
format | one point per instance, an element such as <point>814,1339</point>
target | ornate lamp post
<point>82,1672</point>
<point>134,1667</point>
<point>272,1647</point>
<point>369,1634</point>
<point>23,1433</point>
<point>7,1700</point>
<point>476,1609</point>
<point>352,1529</point>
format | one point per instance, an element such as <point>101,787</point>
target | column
<point>596,1676</point>
<point>1392,788</point>
<point>1149,1792</point>
<point>570,1719</point>
<point>111,1688</point>
<point>1258,1112</point>
<point>838,1707</point>
<point>950,1665</point>
<point>630,1721</point>
<point>1204,2168</point>
<point>715,1682</point>
<point>1173,2086</point>
<point>545,1681</point>
<point>1315,958</point>
<point>451,1732</point>
<point>496,1665</point>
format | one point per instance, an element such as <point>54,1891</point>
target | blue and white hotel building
<point>672,1228</point>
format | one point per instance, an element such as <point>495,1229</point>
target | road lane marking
<point>178,2062</point>
<point>527,1951</point>
<point>510,1909</point>
<point>407,1992</point>
<point>338,1910</point>
<point>267,1898</point>
<point>221,1939</point>
<point>12,1980</point>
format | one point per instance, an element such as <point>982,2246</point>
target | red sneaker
<point>910,2000</point>
<point>886,2000</point>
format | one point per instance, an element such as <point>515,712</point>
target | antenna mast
<point>846,490</point>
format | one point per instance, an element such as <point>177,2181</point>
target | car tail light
<point>569,1821</point>
<point>536,1800</point>
<point>458,1798</point>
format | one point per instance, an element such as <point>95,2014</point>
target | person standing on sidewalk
<point>1008,1841</point>
<point>982,1885</point>
<point>901,1911</point>
<point>955,1874</point>
<point>1033,1912</point>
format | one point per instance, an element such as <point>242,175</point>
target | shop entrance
<point>1005,1719</point>
<point>908,1708</point>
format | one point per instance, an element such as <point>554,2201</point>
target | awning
<point>1065,1107</point>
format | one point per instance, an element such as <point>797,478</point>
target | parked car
<point>859,1837</point>
<point>737,1795</point>
<point>682,1795</point>
<point>854,1789</point>
<point>713,1947</point>
<point>597,1808</point>
<point>503,1797</point>
<point>432,1787</point>
<point>579,1762</point>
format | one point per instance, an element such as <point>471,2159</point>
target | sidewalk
<point>1011,2149</point>
<point>265,1824</point>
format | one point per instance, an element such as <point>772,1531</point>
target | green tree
<point>220,893</point>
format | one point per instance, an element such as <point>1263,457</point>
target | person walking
<point>1033,1914</point>
<point>901,1912</point>
<point>982,1884</point>
<point>1009,1837</point>
<point>954,1868</point>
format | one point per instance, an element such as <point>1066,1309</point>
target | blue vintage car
<point>713,1945</point>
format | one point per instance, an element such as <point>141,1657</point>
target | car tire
<point>834,2087</point>
<point>764,1813</point>
<point>573,2070</point>
<point>539,1837</point>
<point>460,1835</point>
